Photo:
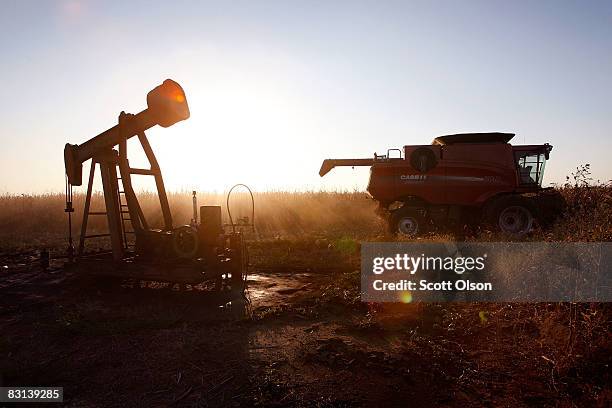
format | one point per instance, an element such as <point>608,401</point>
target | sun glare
<point>406,297</point>
<point>236,133</point>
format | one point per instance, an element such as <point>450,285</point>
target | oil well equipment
<point>186,254</point>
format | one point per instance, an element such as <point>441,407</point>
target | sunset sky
<point>276,87</point>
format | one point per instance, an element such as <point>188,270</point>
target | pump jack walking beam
<point>166,105</point>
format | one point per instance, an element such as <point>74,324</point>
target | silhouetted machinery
<point>461,179</point>
<point>186,254</point>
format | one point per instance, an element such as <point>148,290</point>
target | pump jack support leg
<point>163,198</point>
<point>159,181</point>
<point>137,217</point>
<point>92,171</point>
<point>136,214</point>
<point>111,199</point>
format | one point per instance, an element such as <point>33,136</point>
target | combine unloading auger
<point>329,164</point>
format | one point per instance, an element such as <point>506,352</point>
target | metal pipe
<point>329,164</point>
<point>194,200</point>
<point>113,136</point>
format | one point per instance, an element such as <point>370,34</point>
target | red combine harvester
<point>461,179</point>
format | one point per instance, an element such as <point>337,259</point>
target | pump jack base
<point>191,272</point>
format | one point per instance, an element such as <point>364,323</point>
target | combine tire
<point>513,215</point>
<point>408,222</point>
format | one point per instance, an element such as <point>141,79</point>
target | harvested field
<point>302,334</point>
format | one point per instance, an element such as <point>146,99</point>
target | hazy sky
<point>275,87</point>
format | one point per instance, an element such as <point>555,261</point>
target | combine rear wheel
<point>407,222</point>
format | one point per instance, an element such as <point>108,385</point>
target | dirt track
<point>303,340</point>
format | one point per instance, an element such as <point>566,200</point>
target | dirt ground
<point>301,337</point>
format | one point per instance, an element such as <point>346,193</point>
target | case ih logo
<point>413,177</point>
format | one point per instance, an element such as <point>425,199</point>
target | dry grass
<point>588,216</point>
<point>30,221</point>
<point>34,221</point>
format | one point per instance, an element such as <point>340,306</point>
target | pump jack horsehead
<point>187,254</point>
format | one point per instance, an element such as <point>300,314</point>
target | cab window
<point>530,166</point>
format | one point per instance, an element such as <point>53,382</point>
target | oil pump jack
<point>186,254</point>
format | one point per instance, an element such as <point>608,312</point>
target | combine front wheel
<point>406,221</point>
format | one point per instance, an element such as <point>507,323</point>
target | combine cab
<point>461,179</point>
